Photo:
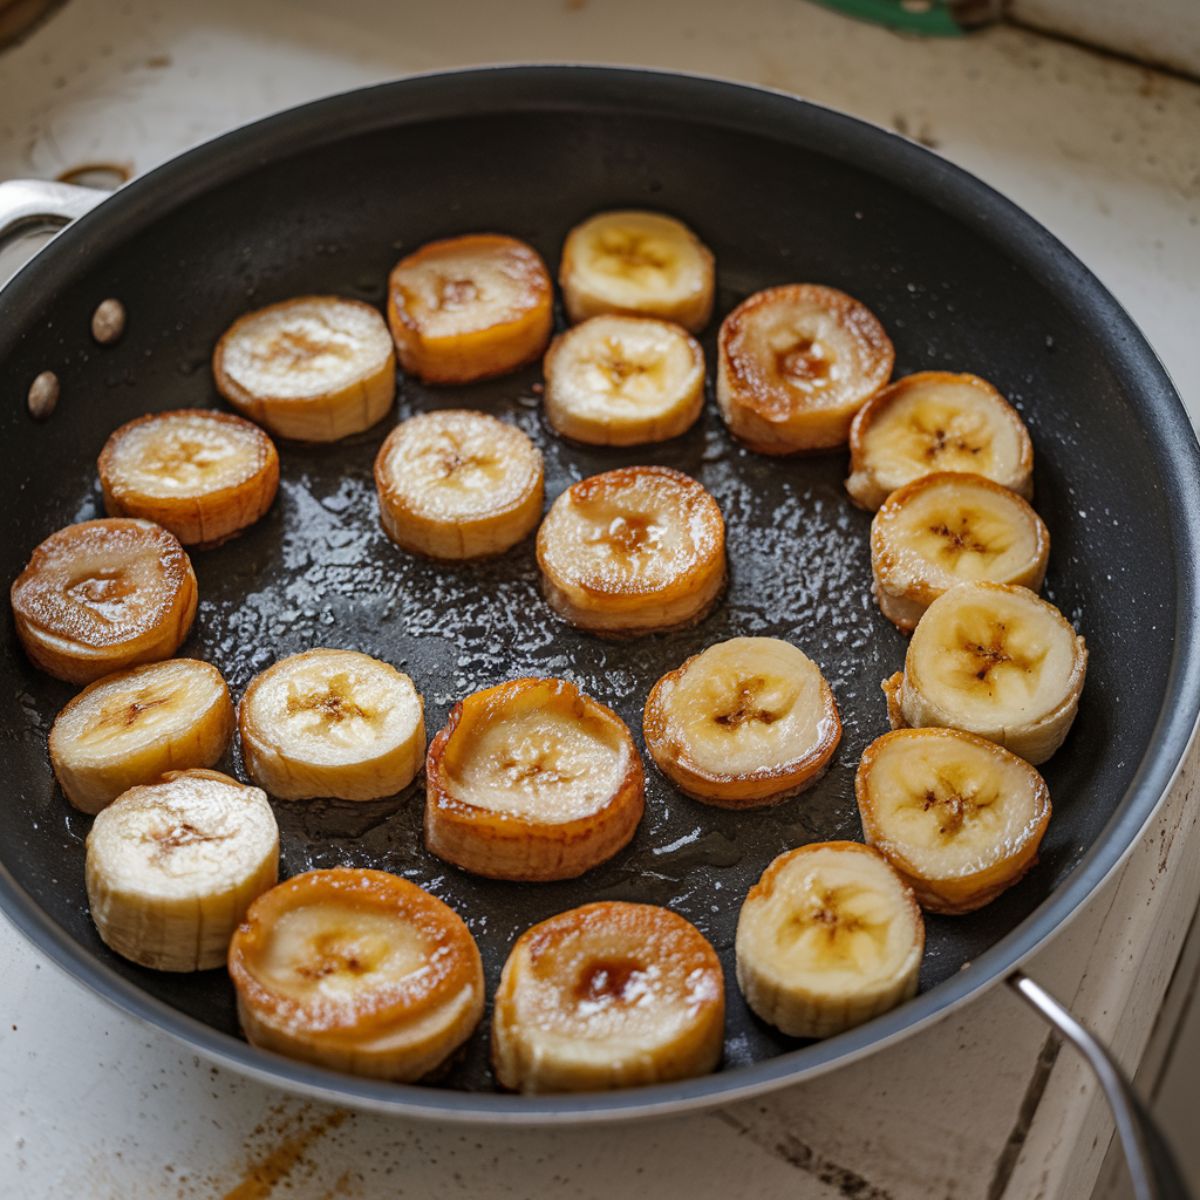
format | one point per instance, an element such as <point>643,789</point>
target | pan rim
<point>710,101</point>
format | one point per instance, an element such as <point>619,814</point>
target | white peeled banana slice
<point>639,264</point>
<point>134,726</point>
<point>316,368</point>
<point>357,970</point>
<point>624,381</point>
<point>952,528</point>
<point>332,723</point>
<point>828,938</point>
<point>747,722</point>
<point>994,660</point>
<point>532,780</point>
<point>457,484</point>
<point>936,421</point>
<point>959,817</point>
<point>633,551</point>
<point>609,995</point>
<point>173,866</point>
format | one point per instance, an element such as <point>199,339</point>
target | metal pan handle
<point>1152,1167</point>
<point>43,202</point>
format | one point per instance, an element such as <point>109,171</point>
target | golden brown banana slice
<point>637,264</point>
<point>609,995</point>
<point>357,970</point>
<point>468,308</point>
<point>134,726</point>
<point>173,866</point>
<point>746,722</point>
<point>531,780</point>
<point>936,421</point>
<point>457,484</point>
<point>104,595</point>
<point>316,368</point>
<point>204,476</point>
<point>828,938</point>
<point>959,817</point>
<point>795,363</point>
<point>633,551</point>
<point>952,528</point>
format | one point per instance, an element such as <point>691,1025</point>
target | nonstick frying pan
<point>324,199</point>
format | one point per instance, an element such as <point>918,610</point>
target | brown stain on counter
<point>275,1165</point>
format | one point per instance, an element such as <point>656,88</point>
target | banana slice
<point>204,476</point>
<point>637,264</point>
<point>952,528</point>
<point>104,595</point>
<point>633,551</point>
<point>936,421</point>
<point>828,938</point>
<point>995,660</point>
<point>531,780</point>
<point>134,726</point>
<point>457,484</point>
<point>795,363</point>
<point>605,996</point>
<point>332,723</point>
<point>316,368</point>
<point>468,308</point>
<point>359,971</point>
<point>172,868</point>
<point>747,722</point>
<point>959,817</point>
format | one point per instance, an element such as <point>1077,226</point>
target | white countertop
<point>1106,154</point>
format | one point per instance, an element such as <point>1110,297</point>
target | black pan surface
<point>325,199</point>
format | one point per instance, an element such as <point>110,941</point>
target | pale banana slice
<point>637,264</point>
<point>952,528</point>
<point>457,484</point>
<point>531,780</point>
<point>746,722</point>
<point>173,866</point>
<point>959,817</point>
<point>332,723</point>
<point>605,996</point>
<point>134,726</point>
<point>794,365</point>
<point>357,970</point>
<point>633,551</point>
<point>624,381</point>
<point>104,595</point>
<point>471,307</point>
<point>828,938</point>
<point>316,368</point>
<point>204,476</point>
<point>937,421</point>
<point>994,660</point>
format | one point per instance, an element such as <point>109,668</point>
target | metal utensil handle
<point>42,201</point>
<point>1152,1167</point>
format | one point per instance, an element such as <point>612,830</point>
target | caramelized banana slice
<point>531,780</point>
<point>609,995</point>
<point>952,528</point>
<point>747,722</point>
<point>204,476</point>
<point>104,595</point>
<point>316,368</point>
<point>959,817</point>
<point>633,551</point>
<point>638,264</point>
<point>795,363</point>
<point>935,421</point>
<point>359,971</point>
<point>468,308</point>
<point>456,484</point>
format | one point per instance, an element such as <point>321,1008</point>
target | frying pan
<point>325,198</point>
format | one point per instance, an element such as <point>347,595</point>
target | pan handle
<point>43,202</point>
<point>1152,1167</point>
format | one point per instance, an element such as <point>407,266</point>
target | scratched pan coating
<point>325,200</point>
